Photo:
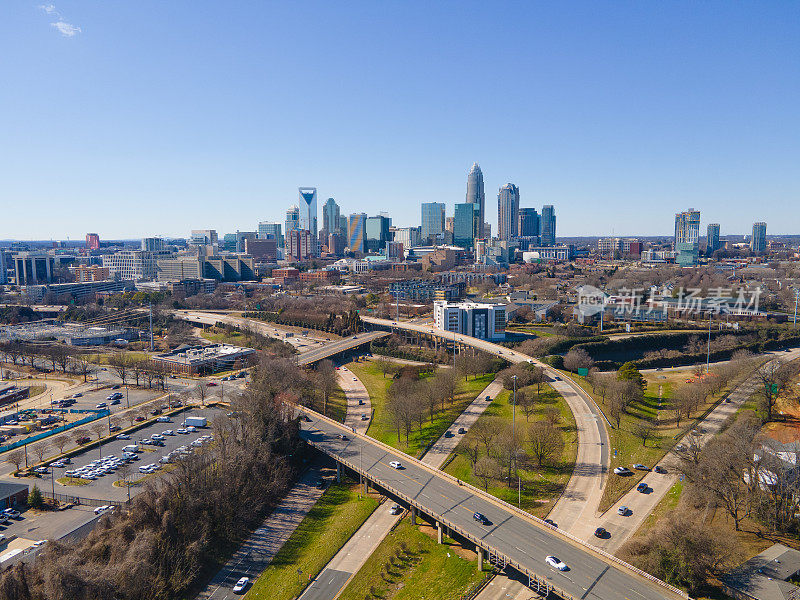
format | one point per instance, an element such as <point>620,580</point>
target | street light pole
<point>514,423</point>
<point>708,345</point>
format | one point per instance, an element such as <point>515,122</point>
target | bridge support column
<point>338,472</point>
<point>439,532</point>
<point>480,558</point>
<point>413,515</point>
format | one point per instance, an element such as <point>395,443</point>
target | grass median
<point>409,565</point>
<point>329,524</point>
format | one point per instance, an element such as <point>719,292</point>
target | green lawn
<point>326,528</point>
<point>409,565</point>
<point>381,426</point>
<point>540,485</point>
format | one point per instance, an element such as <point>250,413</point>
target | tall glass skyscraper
<point>330,216</point>
<point>357,233</point>
<point>548,225</point>
<point>308,209</point>
<point>508,212</point>
<point>432,219</point>
<point>758,243</point>
<point>377,232</point>
<point>528,222</point>
<point>466,223</point>
<point>687,237</point>
<point>475,193</point>
<point>292,220</point>
<point>712,238</point>
<point>268,229</point>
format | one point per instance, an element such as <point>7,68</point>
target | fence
<point>97,414</point>
<point>69,498</point>
<point>609,558</point>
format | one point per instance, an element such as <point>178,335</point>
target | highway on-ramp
<point>513,537</point>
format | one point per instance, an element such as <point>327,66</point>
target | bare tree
<point>644,429</point>
<point>84,367</point>
<point>326,382</point>
<point>470,450</point>
<point>41,450</point>
<point>201,390</point>
<point>384,365</point>
<point>78,434</point>
<point>60,442</point>
<point>546,441</point>
<point>120,363</point>
<point>485,470</point>
<point>97,428</point>
<point>552,415</point>
<point>578,358</point>
<point>16,458</point>
<point>486,429</point>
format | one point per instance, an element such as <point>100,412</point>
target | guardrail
<point>475,491</point>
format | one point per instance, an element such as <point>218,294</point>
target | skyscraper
<point>528,222</point>
<point>758,243</point>
<point>508,212</point>
<point>465,224</point>
<point>153,244</point>
<point>548,225</point>
<point>292,220</point>
<point>357,233</point>
<point>432,219</point>
<point>269,230</point>
<point>377,232</point>
<point>330,216</point>
<point>687,237</point>
<point>712,238</point>
<point>475,194</point>
<point>308,209</point>
<point>204,237</point>
<point>92,241</point>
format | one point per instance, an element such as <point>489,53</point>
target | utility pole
<point>708,345</point>
<point>514,424</point>
<point>796,295</point>
<point>151,327</point>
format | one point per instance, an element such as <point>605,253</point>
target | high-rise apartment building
<point>357,233</point>
<point>377,232</point>
<point>712,238</point>
<point>528,225</point>
<point>92,241</point>
<point>153,244</point>
<point>758,243</point>
<point>687,237</point>
<point>136,265</point>
<point>300,244</point>
<point>330,216</point>
<point>267,230</point>
<point>408,236</point>
<point>292,220</point>
<point>475,195</point>
<point>308,209</point>
<point>466,223</point>
<point>547,229</point>
<point>432,220</point>
<point>508,212</point>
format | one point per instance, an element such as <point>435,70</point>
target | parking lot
<point>102,488</point>
<point>32,526</point>
<point>91,397</point>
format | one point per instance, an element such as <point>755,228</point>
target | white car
<point>241,585</point>
<point>395,464</point>
<point>182,431</point>
<point>622,511</point>
<point>395,509</point>
<point>101,509</point>
<point>555,563</point>
<point>168,432</point>
<point>39,543</point>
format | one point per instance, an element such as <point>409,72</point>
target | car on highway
<point>101,509</point>
<point>600,532</point>
<point>355,378</point>
<point>395,464</point>
<point>101,405</point>
<point>555,563</point>
<point>660,469</point>
<point>395,509</point>
<point>622,471</point>
<point>480,518</point>
<point>342,436</point>
<point>622,510</point>
<point>462,431</point>
<point>78,395</point>
<point>642,487</point>
<point>488,398</point>
<point>448,434</point>
<point>365,417</point>
<point>241,585</point>
<point>115,386</point>
<point>641,467</point>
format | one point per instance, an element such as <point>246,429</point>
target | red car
<point>83,440</point>
<point>139,419</point>
<point>211,384</point>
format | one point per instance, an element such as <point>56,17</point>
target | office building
<point>357,233</point>
<point>377,232</point>
<point>78,291</point>
<point>482,321</point>
<point>179,268</point>
<point>528,225</point>
<point>203,360</point>
<point>204,237</point>
<point>135,265</point>
<point>300,245</point>
<point>336,244</point>
<point>241,236</point>
<point>687,237</point>
<point>85,273</point>
<point>475,195</point>
<point>331,216</point>
<point>92,241</point>
<point>432,220</point>
<point>230,267</point>
<point>292,220</point>
<point>614,247</point>
<point>228,243</point>
<point>3,274</point>
<point>32,268</point>
<point>547,230</point>
<point>394,251</point>
<point>262,250</point>
<point>153,244</point>
<point>308,209</point>
<point>269,230</point>
<point>508,212</point>
<point>712,238</point>
<point>466,223</point>
<point>343,224</point>
<point>758,243</point>
<point>408,236</point>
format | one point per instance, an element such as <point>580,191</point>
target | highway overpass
<point>331,349</point>
<point>512,538</point>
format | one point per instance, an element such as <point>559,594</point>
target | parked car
<point>78,395</point>
<point>83,439</point>
<point>101,405</point>
<point>622,510</point>
<point>462,431</point>
<point>139,419</point>
<point>641,467</point>
<point>555,563</point>
<point>395,509</point>
<point>211,384</point>
<point>600,532</point>
<point>116,386</point>
<point>11,513</point>
<point>642,487</point>
<point>622,471</point>
<point>114,428</point>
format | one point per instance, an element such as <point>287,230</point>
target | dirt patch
<point>452,545</point>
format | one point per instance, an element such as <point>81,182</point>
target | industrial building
<point>191,360</point>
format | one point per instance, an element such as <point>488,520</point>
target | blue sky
<point>153,118</point>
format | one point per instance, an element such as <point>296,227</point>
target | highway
<point>513,537</point>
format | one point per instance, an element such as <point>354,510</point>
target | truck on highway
<point>195,422</point>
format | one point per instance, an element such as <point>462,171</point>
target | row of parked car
<point>184,451</point>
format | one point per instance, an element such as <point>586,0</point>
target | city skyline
<point>617,120</point>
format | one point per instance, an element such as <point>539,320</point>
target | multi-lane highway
<point>511,536</point>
